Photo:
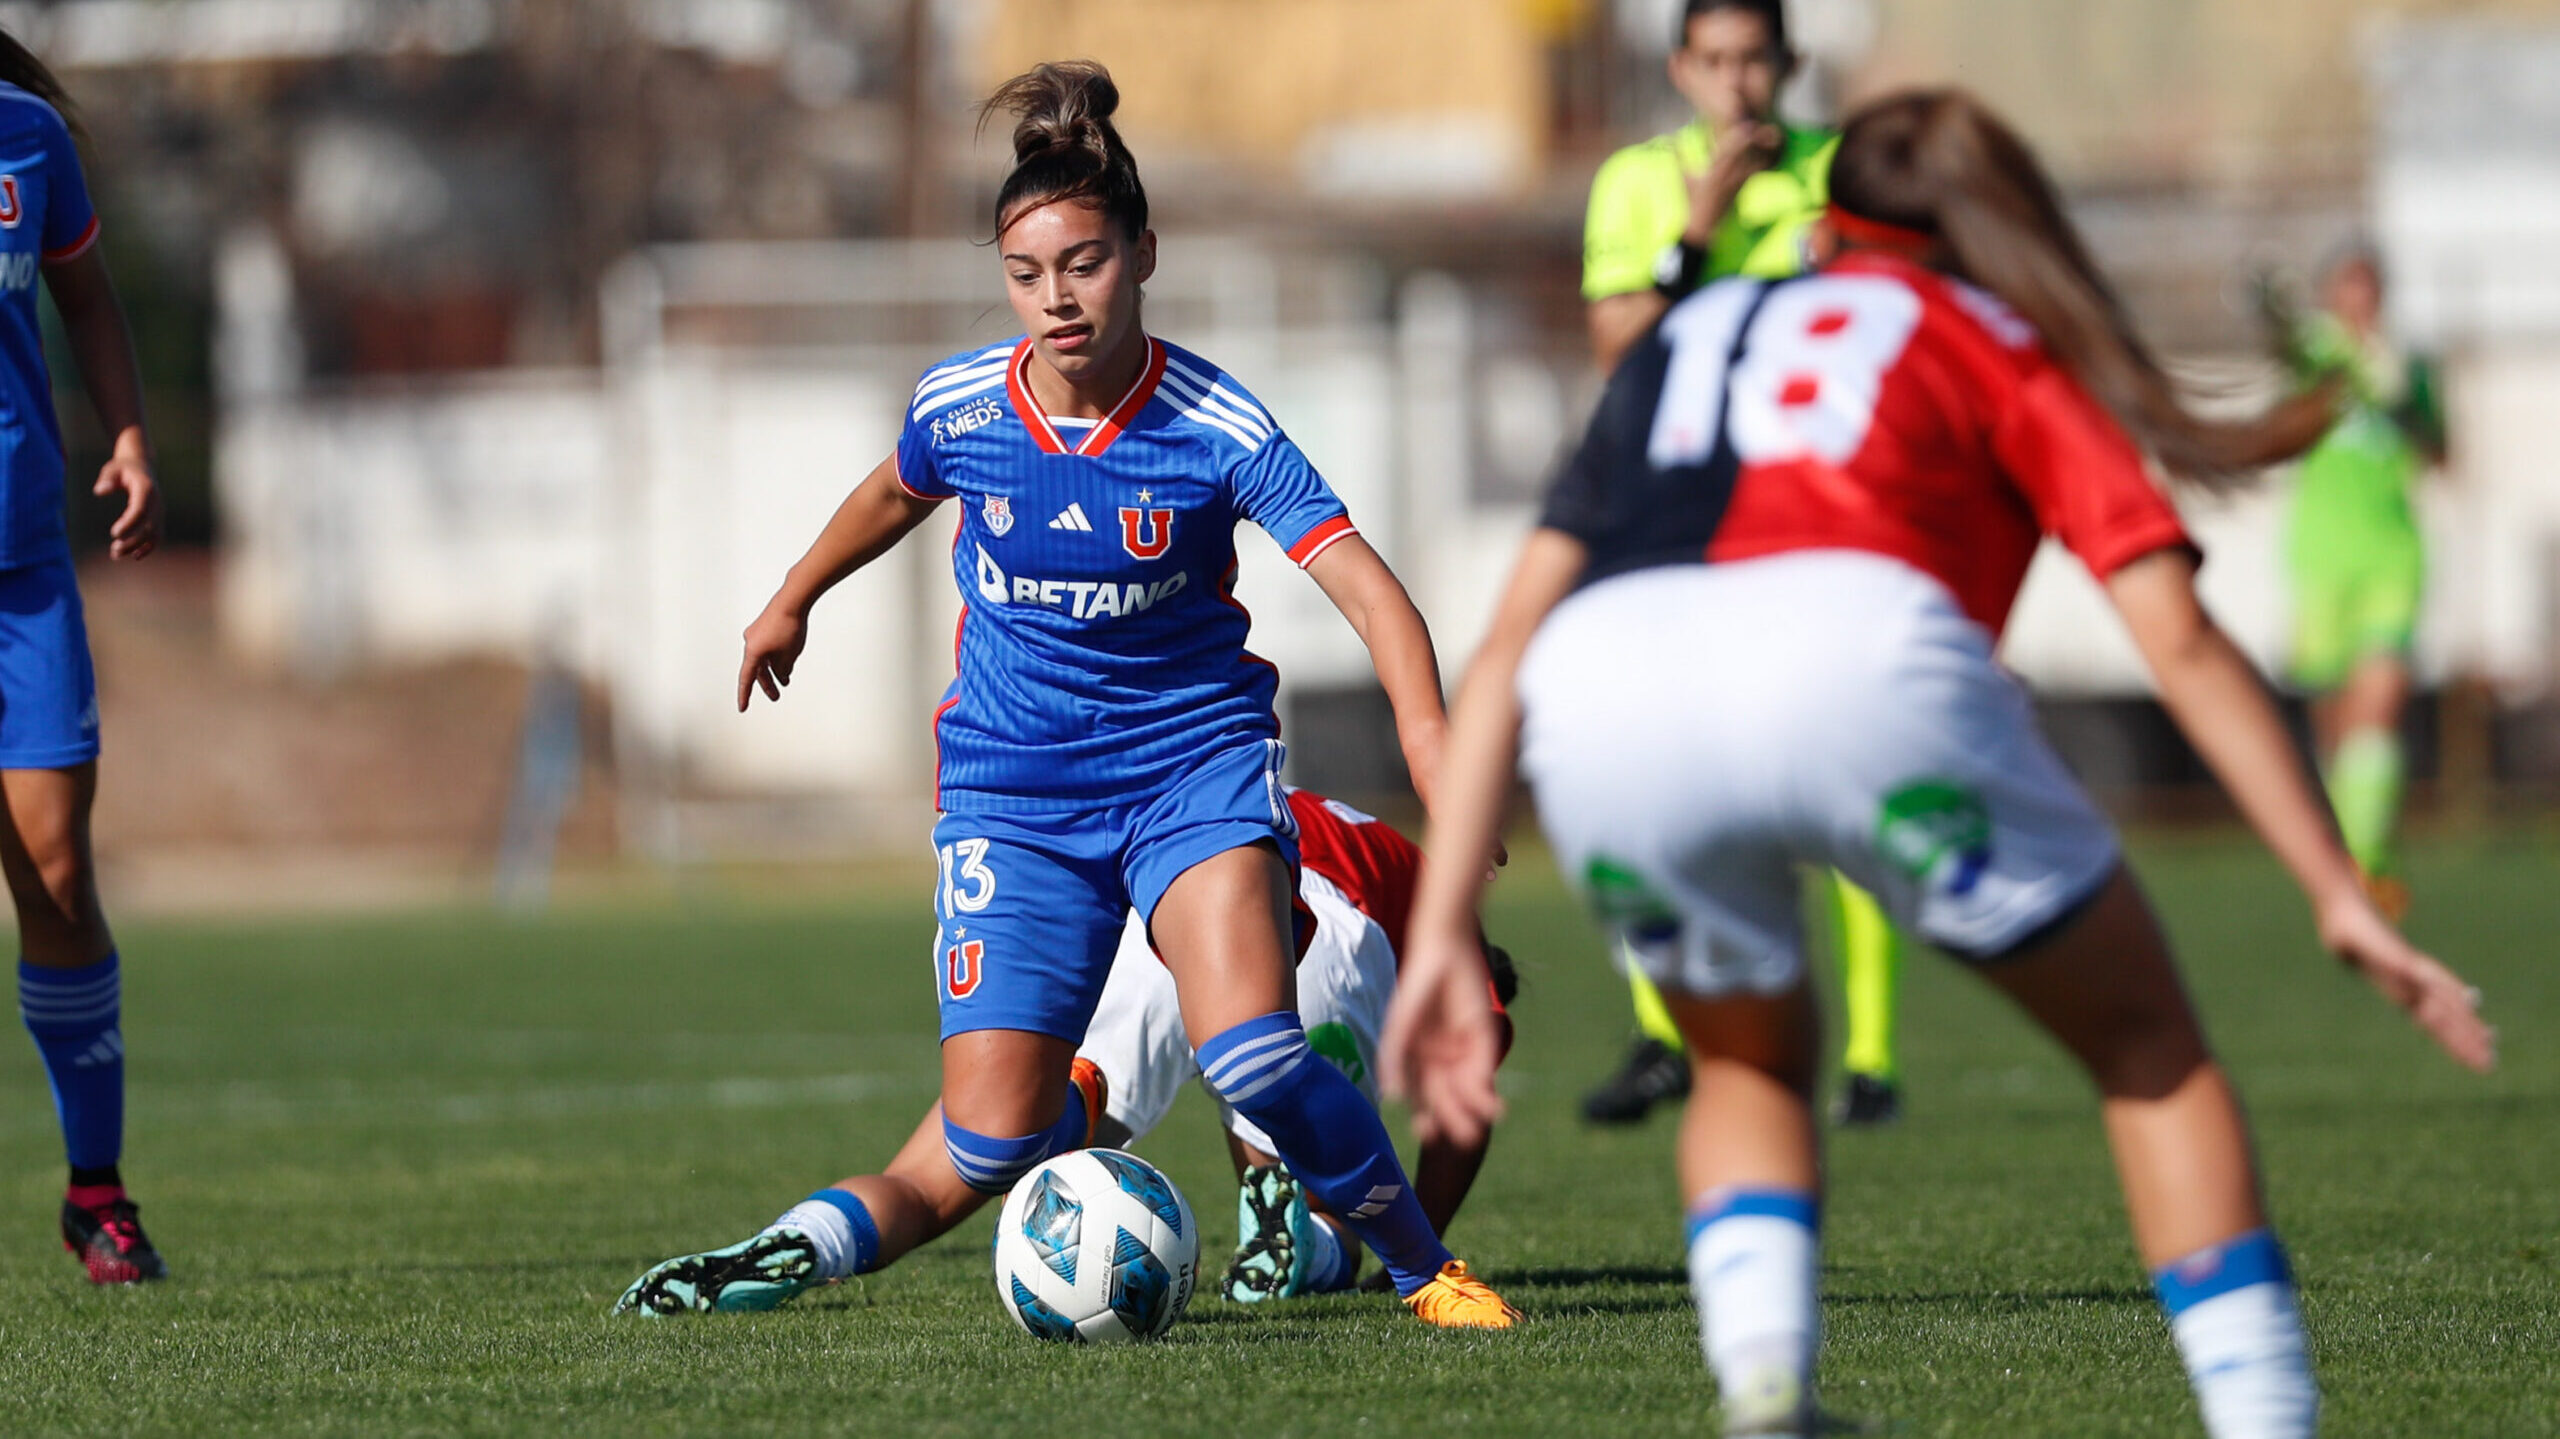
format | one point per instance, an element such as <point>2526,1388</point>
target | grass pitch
<point>402,1167</point>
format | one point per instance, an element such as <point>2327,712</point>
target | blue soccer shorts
<point>1032,905</point>
<point>48,692</point>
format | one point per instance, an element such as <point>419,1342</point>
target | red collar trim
<point>1878,235</point>
<point>1017,384</point>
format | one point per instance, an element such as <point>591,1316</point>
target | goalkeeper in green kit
<point>2354,557</point>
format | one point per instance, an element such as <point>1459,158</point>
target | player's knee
<point>990,1165</point>
<point>2143,1050</point>
<point>1251,1063</point>
<point>60,878</point>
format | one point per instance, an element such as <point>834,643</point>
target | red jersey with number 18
<point>1875,406</point>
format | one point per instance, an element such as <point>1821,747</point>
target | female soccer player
<point>1108,743</point>
<point>68,986</point>
<point>2354,553</point>
<point>1828,489</point>
<point>1356,877</point>
<point>1736,191</point>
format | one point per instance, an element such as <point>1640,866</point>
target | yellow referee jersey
<point>1640,204</point>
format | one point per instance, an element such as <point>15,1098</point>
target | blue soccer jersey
<point>45,218</point>
<point>1101,650</point>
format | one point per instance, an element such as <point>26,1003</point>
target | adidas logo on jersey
<point>1072,518</point>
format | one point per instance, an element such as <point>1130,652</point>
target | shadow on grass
<point>2003,1298</point>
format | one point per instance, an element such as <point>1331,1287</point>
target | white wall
<point>633,522</point>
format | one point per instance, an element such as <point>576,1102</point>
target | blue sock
<point>74,1015</point>
<point>1329,1136</point>
<point>2231,1309</point>
<point>991,1166</point>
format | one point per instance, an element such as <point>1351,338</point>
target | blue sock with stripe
<point>1329,1135</point>
<point>2231,1308</point>
<point>991,1165</point>
<point>76,1016</point>
<point>1753,1257</point>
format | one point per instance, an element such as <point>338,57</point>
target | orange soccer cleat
<point>1456,1299</point>
<point>1090,1085</point>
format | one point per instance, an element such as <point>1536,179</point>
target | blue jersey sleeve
<point>1277,489</point>
<point>916,473</point>
<point>70,222</point>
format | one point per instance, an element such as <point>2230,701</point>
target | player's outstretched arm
<point>1382,614</point>
<point>2216,697</point>
<point>1442,1038</point>
<point>869,523</point>
<point>102,346</point>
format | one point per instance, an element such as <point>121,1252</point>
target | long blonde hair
<point>1939,162</point>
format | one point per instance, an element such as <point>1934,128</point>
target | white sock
<point>1752,1255</point>
<point>1327,1267</point>
<point>827,1228</point>
<point>2245,1356</point>
<point>2231,1309</point>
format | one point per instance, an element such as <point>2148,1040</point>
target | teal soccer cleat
<point>764,1272</point>
<point>1272,1245</point>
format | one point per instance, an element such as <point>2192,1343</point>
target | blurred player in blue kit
<point>1108,744</point>
<point>70,991</point>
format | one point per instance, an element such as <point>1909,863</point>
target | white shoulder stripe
<point>949,398</point>
<point>1225,404</point>
<point>1251,443</point>
<point>1203,408</point>
<point>965,362</point>
<point>968,382</point>
<point>1216,384</point>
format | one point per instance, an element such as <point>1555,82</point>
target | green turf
<point>403,1166</point>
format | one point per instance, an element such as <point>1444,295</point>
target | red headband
<point>1879,235</point>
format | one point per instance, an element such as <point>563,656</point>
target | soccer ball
<point>1096,1247</point>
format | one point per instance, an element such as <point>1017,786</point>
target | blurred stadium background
<point>502,353</point>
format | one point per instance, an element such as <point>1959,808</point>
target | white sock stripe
<point>1253,1055</point>
<point>56,1003</point>
<point>105,1014</point>
<point>29,986</point>
<point>1247,1093</point>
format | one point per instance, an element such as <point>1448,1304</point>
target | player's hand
<point>1443,1041</point>
<point>136,532</point>
<point>774,642</point>
<point>2445,1007</point>
<point>1741,152</point>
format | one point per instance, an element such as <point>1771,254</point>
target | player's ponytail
<point>20,67</point>
<point>1938,163</point>
<point>1064,145</point>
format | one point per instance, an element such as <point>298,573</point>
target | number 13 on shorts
<point>968,886</point>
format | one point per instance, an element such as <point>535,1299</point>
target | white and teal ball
<point>1096,1247</point>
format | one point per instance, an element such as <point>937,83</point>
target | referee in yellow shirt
<point>1733,192</point>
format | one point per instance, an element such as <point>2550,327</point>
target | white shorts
<point>1695,733</point>
<point>1344,983</point>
